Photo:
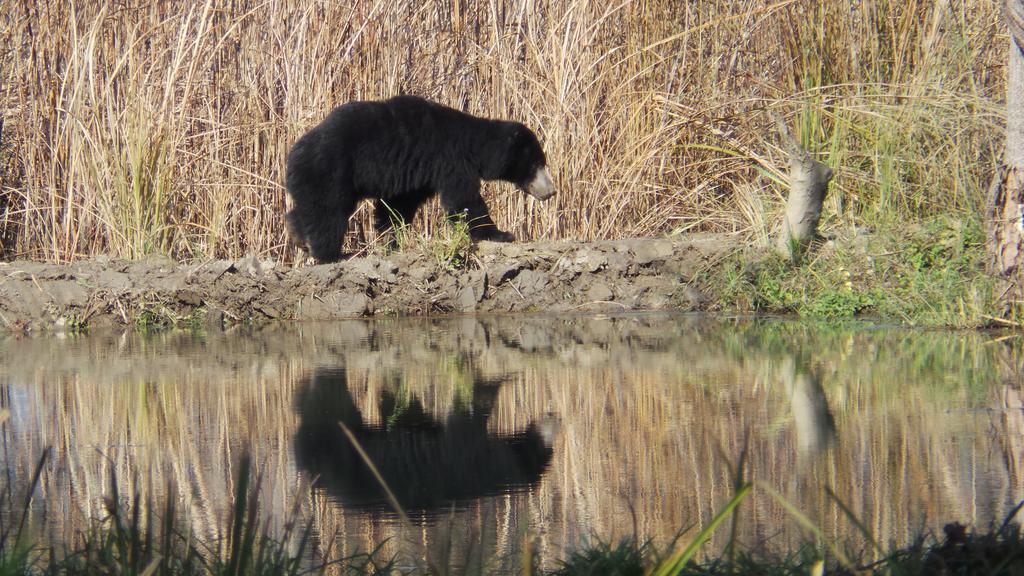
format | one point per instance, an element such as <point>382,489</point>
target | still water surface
<point>496,432</point>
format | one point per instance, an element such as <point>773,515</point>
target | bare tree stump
<point>808,185</point>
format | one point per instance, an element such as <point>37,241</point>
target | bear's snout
<point>541,186</point>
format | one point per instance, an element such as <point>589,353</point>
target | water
<point>498,432</point>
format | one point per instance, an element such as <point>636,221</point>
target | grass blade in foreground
<point>376,474</point>
<point>674,564</point>
<point>807,524</point>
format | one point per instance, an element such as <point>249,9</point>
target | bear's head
<point>524,162</point>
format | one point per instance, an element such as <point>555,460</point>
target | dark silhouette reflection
<point>426,463</point>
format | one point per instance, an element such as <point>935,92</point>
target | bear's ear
<point>523,144</point>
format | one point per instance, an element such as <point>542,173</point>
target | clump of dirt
<point>631,274</point>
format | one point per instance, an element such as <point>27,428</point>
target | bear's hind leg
<point>323,230</point>
<point>326,234</point>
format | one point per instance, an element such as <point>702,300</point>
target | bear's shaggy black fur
<point>400,152</point>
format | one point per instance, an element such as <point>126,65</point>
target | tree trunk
<point>1007,191</point>
<point>808,184</point>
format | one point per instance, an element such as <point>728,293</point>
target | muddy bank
<point>632,274</point>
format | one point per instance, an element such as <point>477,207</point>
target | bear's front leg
<point>470,205</point>
<point>481,226</point>
<point>491,233</point>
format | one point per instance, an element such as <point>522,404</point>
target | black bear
<point>400,152</point>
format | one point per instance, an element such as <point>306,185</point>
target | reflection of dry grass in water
<point>643,407</point>
<point>181,423</point>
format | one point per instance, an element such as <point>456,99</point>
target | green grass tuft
<point>451,244</point>
<point>627,558</point>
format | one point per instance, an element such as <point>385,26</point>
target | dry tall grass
<point>163,126</point>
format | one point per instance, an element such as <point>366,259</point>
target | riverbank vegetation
<point>929,273</point>
<point>163,127</point>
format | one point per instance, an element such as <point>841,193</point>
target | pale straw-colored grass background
<point>163,126</point>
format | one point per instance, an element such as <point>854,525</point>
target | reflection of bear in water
<point>426,463</point>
